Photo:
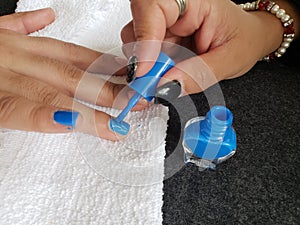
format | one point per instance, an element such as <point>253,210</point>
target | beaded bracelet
<point>286,21</point>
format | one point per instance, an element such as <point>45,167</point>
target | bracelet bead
<point>275,9</point>
<point>286,21</point>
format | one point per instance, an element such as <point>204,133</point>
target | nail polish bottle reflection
<point>209,140</point>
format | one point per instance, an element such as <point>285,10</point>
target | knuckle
<point>38,117</point>
<point>50,97</point>
<point>142,33</point>
<point>71,77</point>
<point>36,91</point>
<point>8,105</point>
<point>77,55</point>
<point>21,84</point>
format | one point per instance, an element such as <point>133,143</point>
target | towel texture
<point>77,178</point>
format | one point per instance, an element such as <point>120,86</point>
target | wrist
<point>270,32</point>
<point>281,15</point>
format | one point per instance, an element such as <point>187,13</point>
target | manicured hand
<point>40,77</point>
<point>226,40</point>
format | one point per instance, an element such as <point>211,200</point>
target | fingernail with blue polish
<point>167,93</point>
<point>121,127</point>
<point>66,118</point>
<point>131,68</point>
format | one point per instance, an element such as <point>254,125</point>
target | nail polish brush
<point>144,87</point>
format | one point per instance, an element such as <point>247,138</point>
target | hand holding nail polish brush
<point>144,86</point>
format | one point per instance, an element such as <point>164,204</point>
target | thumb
<point>150,22</point>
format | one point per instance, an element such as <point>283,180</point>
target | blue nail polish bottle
<point>145,87</point>
<point>209,140</point>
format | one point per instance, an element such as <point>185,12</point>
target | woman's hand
<point>39,78</point>
<point>227,40</point>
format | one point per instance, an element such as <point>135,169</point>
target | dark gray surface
<point>260,184</point>
<point>7,6</point>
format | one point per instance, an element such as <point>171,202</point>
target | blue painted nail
<point>66,118</point>
<point>119,127</point>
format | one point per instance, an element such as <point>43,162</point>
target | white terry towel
<point>77,178</point>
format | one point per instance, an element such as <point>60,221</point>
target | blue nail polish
<point>119,127</point>
<point>209,140</point>
<point>66,118</point>
<point>145,87</point>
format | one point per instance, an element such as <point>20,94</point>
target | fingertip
<point>119,128</point>
<point>44,15</point>
<point>38,19</point>
<point>106,130</point>
<point>48,13</point>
